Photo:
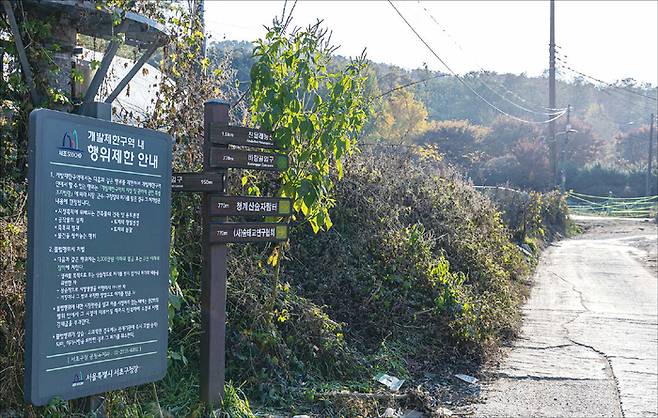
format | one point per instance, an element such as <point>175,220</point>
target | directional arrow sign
<point>230,158</point>
<point>249,205</point>
<point>247,232</point>
<point>197,182</point>
<point>239,135</point>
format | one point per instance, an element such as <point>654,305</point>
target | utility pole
<point>563,154</point>
<point>551,96</point>
<point>647,183</point>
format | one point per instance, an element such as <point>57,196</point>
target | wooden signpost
<point>249,206</point>
<point>256,160</point>
<point>217,232</point>
<point>99,218</point>
<point>197,182</point>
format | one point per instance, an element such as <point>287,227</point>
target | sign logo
<point>70,145</point>
<point>77,379</point>
<point>70,140</point>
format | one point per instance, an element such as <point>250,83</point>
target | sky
<point>609,40</point>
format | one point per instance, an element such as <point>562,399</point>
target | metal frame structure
<point>22,56</point>
<point>134,30</point>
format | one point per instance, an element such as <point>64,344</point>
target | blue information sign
<point>98,248</point>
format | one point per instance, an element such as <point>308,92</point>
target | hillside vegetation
<point>395,262</point>
<point>418,274</point>
<point>610,123</point>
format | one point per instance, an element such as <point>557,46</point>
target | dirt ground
<point>638,233</point>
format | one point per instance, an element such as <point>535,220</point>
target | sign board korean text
<point>231,158</point>
<point>239,135</point>
<point>197,182</point>
<point>247,232</point>
<point>98,256</point>
<point>249,206</point>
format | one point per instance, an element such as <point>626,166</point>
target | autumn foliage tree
<point>633,147</point>
<point>584,146</point>
<point>399,118</point>
<point>504,133</point>
<point>458,140</point>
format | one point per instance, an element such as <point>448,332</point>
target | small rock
<point>412,413</point>
<point>444,412</point>
<point>390,413</point>
<point>466,378</point>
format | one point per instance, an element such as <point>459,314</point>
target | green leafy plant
<point>235,404</point>
<point>314,113</point>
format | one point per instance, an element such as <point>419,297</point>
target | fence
<point>631,207</point>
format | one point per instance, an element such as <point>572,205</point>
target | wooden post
<point>213,280</point>
<point>563,152</point>
<point>551,98</point>
<point>647,183</point>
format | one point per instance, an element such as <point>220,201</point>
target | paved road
<point>589,343</point>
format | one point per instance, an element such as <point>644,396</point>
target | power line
<point>463,82</point>
<point>627,90</point>
<point>641,119</point>
<point>392,145</point>
<point>502,96</point>
<point>404,86</point>
<point>605,115</point>
<point>526,101</point>
<point>413,83</point>
<point>516,104</point>
<point>610,119</point>
<point>562,64</point>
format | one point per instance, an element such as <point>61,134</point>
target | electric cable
<point>404,86</point>
<point>502,96</point>
<point>624,89</point>
<point>612,93</point>
<point>466,84</point>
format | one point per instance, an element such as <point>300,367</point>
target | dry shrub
<point>416,255</point>
<point>13,246</point>
<point>532,216</point>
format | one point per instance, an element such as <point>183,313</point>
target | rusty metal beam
<point>22,55</point>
